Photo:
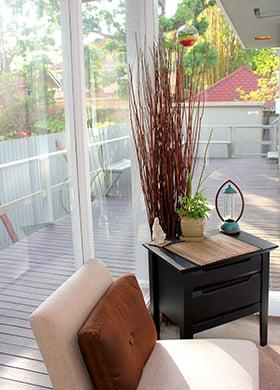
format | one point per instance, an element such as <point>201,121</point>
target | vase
<point>192,229</point>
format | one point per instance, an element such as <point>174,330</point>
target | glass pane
<point>36,250</point>
<point>116,225</point>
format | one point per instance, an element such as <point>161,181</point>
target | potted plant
<point>166,126</point>
<point>193,211</point>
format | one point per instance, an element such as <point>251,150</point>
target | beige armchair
<point>173,364</point>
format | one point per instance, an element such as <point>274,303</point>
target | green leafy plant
<point>193,206</point>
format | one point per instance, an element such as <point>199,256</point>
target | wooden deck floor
<point>34,267</point>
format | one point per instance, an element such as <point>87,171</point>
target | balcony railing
<point>242,139</point>
<point>35,189</point>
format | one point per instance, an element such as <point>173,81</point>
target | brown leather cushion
<point>118,337</point>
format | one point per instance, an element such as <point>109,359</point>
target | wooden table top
<point>217,247</point>
<point>213,249</point>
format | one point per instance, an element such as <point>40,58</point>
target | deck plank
<point>23,363</point>
<point>20,351</point>
<point>11,384</point>
<point>25,376</point>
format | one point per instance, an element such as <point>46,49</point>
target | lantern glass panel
<point>229,206</point>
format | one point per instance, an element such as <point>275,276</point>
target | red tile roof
<point>224,90</point>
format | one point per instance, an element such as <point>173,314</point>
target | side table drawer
<point>206,277</point>
<point>224,298</point>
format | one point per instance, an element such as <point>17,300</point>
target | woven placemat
<point>212,249</point>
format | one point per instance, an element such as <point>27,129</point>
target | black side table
<point>197,298</point>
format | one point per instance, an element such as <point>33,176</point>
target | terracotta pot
<point>192,229</point>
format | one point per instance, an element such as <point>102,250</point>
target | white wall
<point>222,116</point>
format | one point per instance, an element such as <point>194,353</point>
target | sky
<point>171,6</point>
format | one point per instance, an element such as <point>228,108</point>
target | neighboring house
<point>225,112</point>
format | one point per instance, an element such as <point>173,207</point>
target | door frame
<point>142,20</point>
<point>75,117</point>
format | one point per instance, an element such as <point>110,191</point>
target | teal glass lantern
<point>230,192</point>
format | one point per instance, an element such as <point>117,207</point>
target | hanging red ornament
<point>187,35</point>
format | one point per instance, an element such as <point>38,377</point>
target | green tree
<point>219,44</point>
<point>230,55</point>
<point>109,24</point>
<point>266,64</point>
<point>189,11</point>
<point>28,47</point>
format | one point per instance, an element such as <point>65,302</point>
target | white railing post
<point>274,137</point>
<point>233,140</point>
<point>45,183</point>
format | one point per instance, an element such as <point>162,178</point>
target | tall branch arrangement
<point>166,127</point>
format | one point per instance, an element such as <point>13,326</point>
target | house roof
<point>225,90</point>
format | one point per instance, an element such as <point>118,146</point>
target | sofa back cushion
<point>118,337</point>
<point>57,321</point>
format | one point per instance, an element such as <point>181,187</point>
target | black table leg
<point>186,321</point>
<point>264,299</point>
<point>185,332</point>
<point>154,293</point>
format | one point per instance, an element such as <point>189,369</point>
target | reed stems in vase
<point>166,126</point>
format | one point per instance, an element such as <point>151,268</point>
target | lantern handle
<point>241,196</point>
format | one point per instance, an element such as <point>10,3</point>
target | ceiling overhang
<point>248,23</point>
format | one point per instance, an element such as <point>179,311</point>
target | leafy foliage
<point>28,48</point>
<point>193,206</point>
<point>230,55</point>
<point>188,11</point>
<point>109,25</point>
<point>265,63</point>
<point>266,92</point>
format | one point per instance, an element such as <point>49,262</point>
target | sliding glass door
<point>115,221</point>
<point>67,170</point>
<point>66,158</point>
<point>36,209</point>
